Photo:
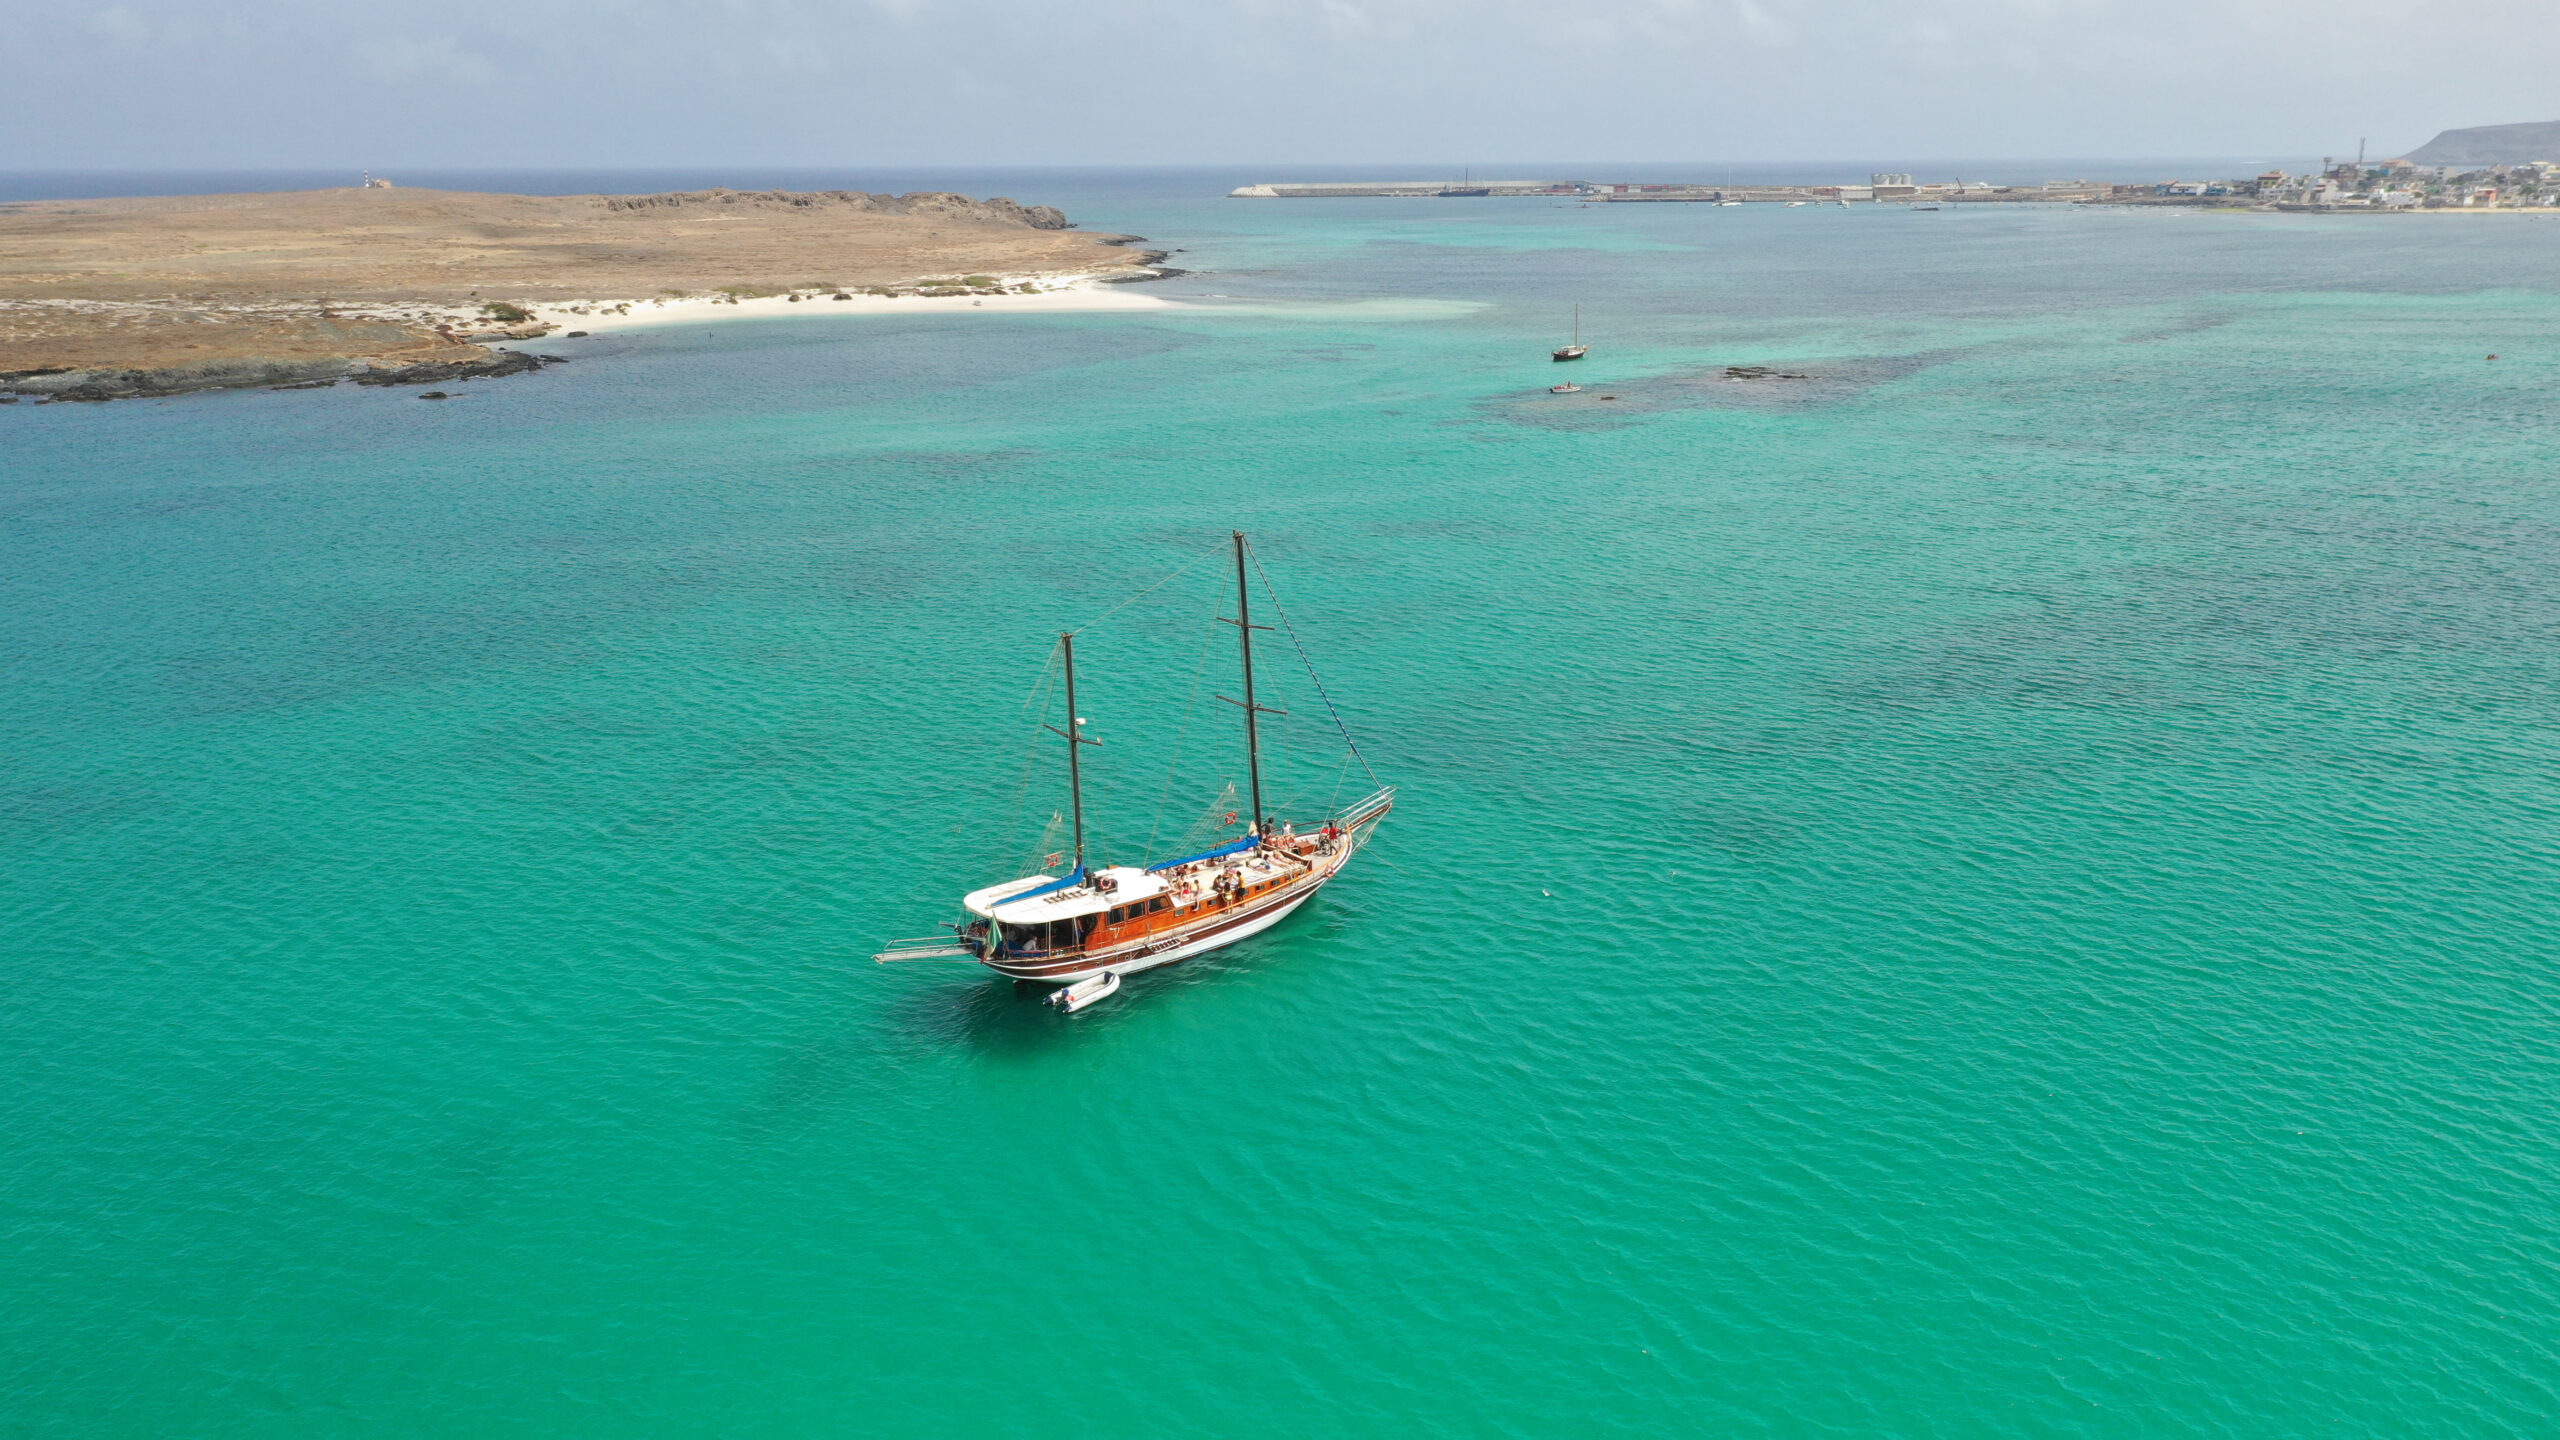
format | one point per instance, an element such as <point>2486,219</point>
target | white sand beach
<point>598,317</point>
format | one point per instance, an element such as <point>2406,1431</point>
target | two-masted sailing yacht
<point>1087,928</point>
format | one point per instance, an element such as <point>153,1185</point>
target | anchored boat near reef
<point>1087,928</point>
<point>1575,349</point>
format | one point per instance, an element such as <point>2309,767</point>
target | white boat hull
<point>1185,949</point>
<point>1173,948</point>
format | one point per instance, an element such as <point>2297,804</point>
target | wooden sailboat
<point>1114,920</point>
<point>1577,349</point>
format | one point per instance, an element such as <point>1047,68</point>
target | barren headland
<point>107,298</point>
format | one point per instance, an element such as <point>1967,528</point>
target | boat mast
<point>1252,741</point>
<point>1075,738</point>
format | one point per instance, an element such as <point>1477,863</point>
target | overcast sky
<point>197,83</point>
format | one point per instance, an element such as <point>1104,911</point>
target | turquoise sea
<point>2003,888</point>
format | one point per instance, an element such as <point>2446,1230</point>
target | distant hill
<point>2491,145</point>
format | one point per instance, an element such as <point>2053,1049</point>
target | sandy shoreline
<point>599,317</point>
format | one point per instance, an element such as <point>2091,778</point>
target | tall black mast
<point>1252,741</point>
<point>1075,737</point>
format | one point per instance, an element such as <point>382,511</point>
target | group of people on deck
<point>1229,881</point>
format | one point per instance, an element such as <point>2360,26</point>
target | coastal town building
<point>2392,185</point>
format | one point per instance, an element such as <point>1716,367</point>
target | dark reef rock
<point>500,362</point>
<point>60,384</point>
<point>1152,259</point>
<point>94,385</point>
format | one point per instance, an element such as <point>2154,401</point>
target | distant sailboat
<point>1577,349</point>
<point>1465,187</point>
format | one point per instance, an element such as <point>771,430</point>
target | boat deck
<point>1183,905</point>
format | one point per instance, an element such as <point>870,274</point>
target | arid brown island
<point>108,298</point>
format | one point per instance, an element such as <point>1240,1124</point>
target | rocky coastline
<point>46,387</point>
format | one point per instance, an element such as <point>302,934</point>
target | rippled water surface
<point>2003,887</point>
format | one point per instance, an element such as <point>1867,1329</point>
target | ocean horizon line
<point>84,183</point>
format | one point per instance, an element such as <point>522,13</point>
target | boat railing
<point>1367,810</point>
<point>925,947</point>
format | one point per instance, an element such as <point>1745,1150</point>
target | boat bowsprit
<point>1087,928</point>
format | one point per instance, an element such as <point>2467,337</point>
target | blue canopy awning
<point>1232,847</point>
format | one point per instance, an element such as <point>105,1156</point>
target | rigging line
<point>1038,696</point>
<point>1022,782</point>
<point>1292,630</point>
<point>1040,687</point>
<point>1037,706</point>
<point>1013,817</point>
<point>1143,594</point>
<point>1037,700</point>
<point>1189,706</point>
<point>1390,864</point>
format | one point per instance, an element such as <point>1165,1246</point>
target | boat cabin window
<point>1118,915</point>
<point>1158,904</point>
<point>1045,935</point>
